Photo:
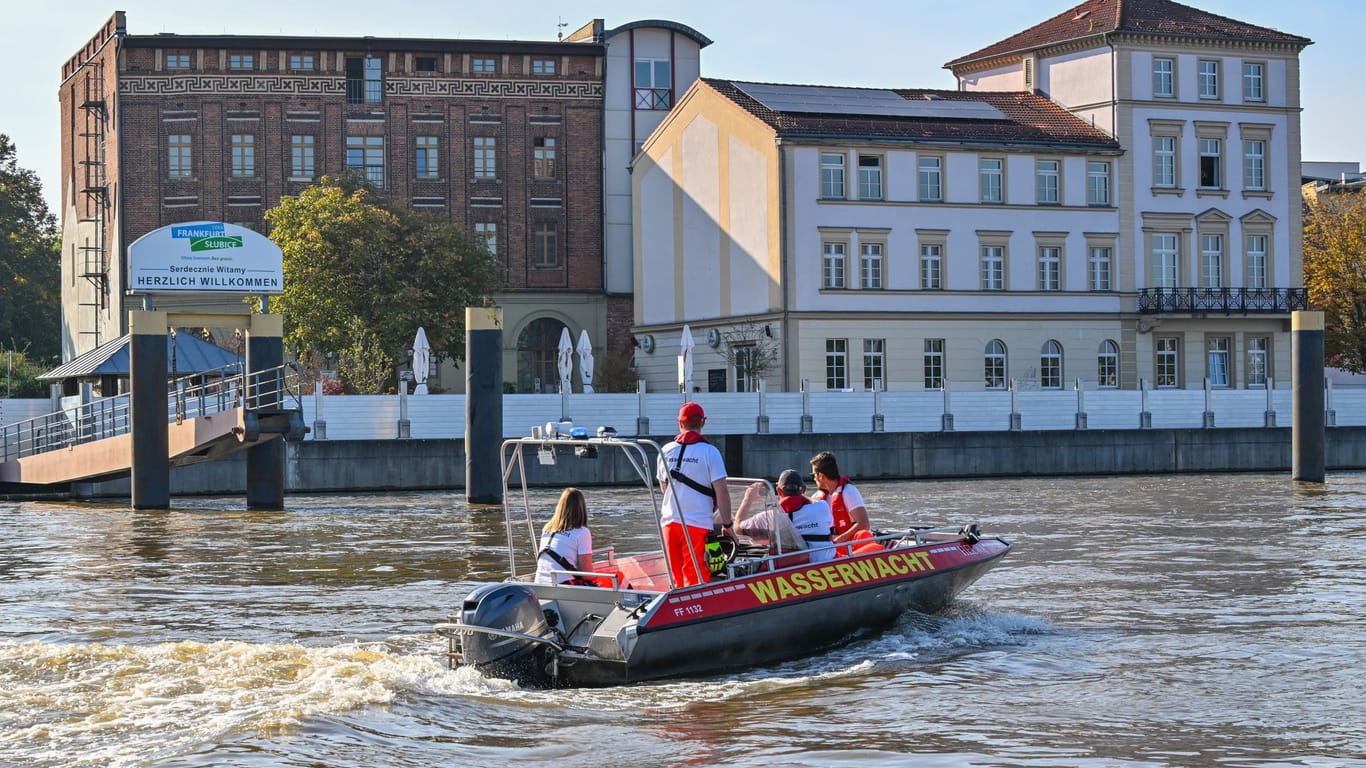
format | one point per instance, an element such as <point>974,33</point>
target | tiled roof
<point>1027,119</point>
<point>1150,17</point>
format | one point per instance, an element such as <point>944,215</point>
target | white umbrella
<point>685,360</point>
<point>586,361</point>
<point>422,361</point>
<point>565,362</point>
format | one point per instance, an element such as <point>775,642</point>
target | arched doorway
<point>537,350</point>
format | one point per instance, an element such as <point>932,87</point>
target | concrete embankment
<point>386,465</point>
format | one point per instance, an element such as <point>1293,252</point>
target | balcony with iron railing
<point>1229,301</point>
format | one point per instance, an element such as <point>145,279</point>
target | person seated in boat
<point>756,520</point>
<point>566,542</point>
<point>846,503</point>
<point>813,519</point>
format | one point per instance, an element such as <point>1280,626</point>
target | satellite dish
<point>713,338</point>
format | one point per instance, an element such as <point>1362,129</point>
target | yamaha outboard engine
<point>514,608</point>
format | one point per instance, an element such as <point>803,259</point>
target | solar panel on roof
<point>863,101</point>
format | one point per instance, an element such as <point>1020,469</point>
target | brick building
<point>504,137</point>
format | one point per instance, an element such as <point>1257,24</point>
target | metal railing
<point>188,397</point>
<point>1226,300</point>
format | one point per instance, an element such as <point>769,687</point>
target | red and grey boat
<point>765,604</point>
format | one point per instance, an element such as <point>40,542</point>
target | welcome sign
<point>205,257</point>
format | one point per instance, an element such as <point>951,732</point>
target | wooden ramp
<point>203,438</point>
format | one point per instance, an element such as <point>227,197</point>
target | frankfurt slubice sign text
<point>205,256</point>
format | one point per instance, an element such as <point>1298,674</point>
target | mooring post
<point>151,465</point>
<point>265,382</point>
<point>483,405</point>
<point>1307,398</point>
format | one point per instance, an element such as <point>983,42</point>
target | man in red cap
<point>692,477</point>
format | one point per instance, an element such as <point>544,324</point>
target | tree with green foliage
<point>30,263</point>
<point>361,274</point>
<point>1335,275</point>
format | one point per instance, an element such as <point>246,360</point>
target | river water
<point>1140,621</point>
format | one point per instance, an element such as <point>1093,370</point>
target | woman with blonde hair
<point>566,542</point>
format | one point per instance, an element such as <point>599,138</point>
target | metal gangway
<point>209,415</point>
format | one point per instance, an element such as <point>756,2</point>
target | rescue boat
<point>766,603</point>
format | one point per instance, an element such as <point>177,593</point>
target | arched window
<point>994,363</point>
<point>537,350</point>
<point>1050,366</point>
<point>1107,365</point>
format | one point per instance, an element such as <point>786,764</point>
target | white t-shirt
<point>814,519</point>
<point>702,463</point>
<point>571,545</point>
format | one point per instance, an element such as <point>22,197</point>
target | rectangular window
<point>1164,161</point>
<point>1168,368</point>
<point>424,64</point>
<point>1258,360</point>
<point>869,177</point>
<point>1254,82</point>
<point>1098,269</point>
<point>483,66</point>
<point>488,232</point>
<point>934,364</point>
<point>180,163</point>
<point>1050,268</point>
<point>364,80</point>
<point>1165,261</point>
<point>243,155</point>
<point>1046,187</point>
<point>1212,261</point>
<point>546,252</point>
<point>832,265</point>
<point>931,180</point>
<point>428,157</point>
<point>1097,183</point>
<point>241,61</point>
<point>1211,164</point>
<point>874,360</point>
<point>654,84</point>
<point>542,66</point>
<point>832,176</point>
<point>989,179</point>
<point>301,61</point>
<point>746,362</point>
<point>932,267</point>
<point>485,157</point>
<point>301,157</point>
<point>993,268</point>
<point>1254,165</point>
<point>836,364</point>
<point>1217,351</point>
<point>1209,79</point>
<point>1256,262</point>
<point>366,154</point>
<point>543,157</point>
<point>1163,82</point>
<point>177,61</point>
<point>870,266</point>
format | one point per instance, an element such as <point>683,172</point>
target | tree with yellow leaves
<point>1335,274</point>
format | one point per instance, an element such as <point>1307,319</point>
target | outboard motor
<point>511,607</point>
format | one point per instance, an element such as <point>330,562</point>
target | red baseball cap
<point>691,412</point>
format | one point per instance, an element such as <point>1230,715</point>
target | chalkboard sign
<point>716,380</point>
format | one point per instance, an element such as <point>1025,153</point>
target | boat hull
<point>780,615</point>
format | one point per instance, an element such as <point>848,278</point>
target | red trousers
<point>681,543</point>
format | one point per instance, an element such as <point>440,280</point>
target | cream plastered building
<point>1207,110</point>
<point>861,238</point>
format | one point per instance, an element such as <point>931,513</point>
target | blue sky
<point>878,43</point>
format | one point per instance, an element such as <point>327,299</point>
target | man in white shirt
<point>692,478</point>
<point>812,519</point>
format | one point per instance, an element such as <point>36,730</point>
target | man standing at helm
<point>692,477</point>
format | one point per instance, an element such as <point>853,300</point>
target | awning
<point>192,355</point>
